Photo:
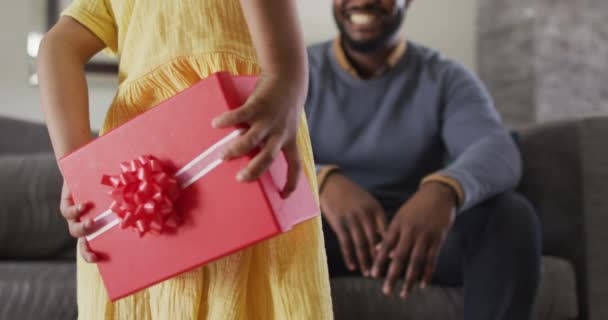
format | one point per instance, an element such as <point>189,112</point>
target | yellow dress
<point>164,47</point>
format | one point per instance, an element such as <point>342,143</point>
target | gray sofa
<point>565,177</point>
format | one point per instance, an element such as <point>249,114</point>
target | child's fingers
<point>294,167</point>
<point>246,143</point>
<point>234,117</point>
<point>262,160</point>
<point>86,253</point>
<point>66,196</point>
<point>72,212</point>
<point>80,229</point>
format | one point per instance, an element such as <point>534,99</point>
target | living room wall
<point>446,25</point>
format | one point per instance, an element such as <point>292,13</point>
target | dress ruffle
<point>136,96</point>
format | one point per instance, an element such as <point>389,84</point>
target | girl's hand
<point>78,229</point>
<point>273,110</point>
<point>271,114</point>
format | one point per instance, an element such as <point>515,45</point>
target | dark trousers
<point>493,250</point>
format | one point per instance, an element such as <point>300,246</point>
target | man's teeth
<point>361,18</point>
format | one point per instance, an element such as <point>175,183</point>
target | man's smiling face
<point>367,25</point>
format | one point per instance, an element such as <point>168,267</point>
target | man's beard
<point>372,44</point>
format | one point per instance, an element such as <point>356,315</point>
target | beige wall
<point>17,98</point>
<point>446,25</point>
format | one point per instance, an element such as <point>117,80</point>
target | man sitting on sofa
<point>416,169</point>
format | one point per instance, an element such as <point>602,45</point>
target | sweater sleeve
<point>482,156</point>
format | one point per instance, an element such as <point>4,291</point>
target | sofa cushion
<point>361,298</point>
<point>38,290</point>
<point>31,226</point>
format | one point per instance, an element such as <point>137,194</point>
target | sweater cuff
<point>450,182</point>
<point>323,173</point>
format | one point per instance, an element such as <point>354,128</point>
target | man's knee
<point>513,220</point>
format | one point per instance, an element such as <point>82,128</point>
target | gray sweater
<point>426,115</point>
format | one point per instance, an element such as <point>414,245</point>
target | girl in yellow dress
<point>163,48</point>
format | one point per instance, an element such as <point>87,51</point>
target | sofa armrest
<point>31,226</point>
<point>594,151</point>
<point>565,177</point>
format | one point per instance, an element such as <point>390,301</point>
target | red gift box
<point>164,202</point>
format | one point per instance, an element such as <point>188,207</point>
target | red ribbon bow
<point>144,195</point>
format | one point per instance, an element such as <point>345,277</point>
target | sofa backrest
<point>31,226</point>
<point>18,137</point>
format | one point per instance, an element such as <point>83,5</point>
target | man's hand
<point>415,237</point>
<point>356,217</point>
